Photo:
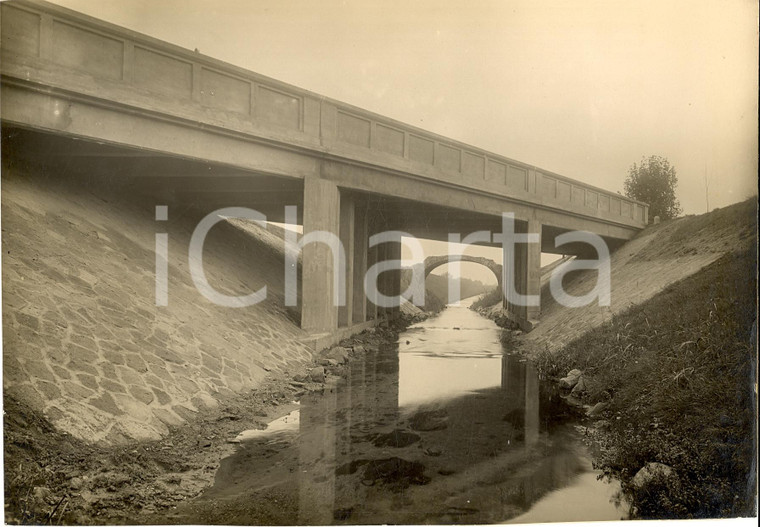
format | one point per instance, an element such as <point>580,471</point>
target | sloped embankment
<point>670,380</point>
<point>658,257</point>
<point>84,342</point>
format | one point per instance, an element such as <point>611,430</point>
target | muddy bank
<point>52,477</point>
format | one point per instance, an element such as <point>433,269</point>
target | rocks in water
<point>579,388</point>
<point>317,374</point>
<point>43,495</point>
<point>571,379</point>
<point>655,474</point>
<point>358,348</point>
<point>602,424</point>
<point>396,439</point>
<point>328,362</point>
<point>572,400</point>
<point>337,354</point>
<point>597,409</point>
<point>427,421</point>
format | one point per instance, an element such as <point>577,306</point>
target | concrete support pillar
<point>525,273</point>
<point>382,280</point>
<point>393,284</point>
<point>374,255</point>
<point>361,243</point>
<point>372,258</point>
<point>533,269</point>
<point>320,213</point>
<point>347,239</point>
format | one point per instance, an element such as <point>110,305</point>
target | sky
<point>583,88</point>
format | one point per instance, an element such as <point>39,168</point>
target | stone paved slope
<point>83,340</point>
<point>659,256</point>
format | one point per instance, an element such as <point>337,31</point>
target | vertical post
<point>533,269</point>
<point>520,273</point>
<point>361,243</point>
<point>197,96</point>
<point>375,254</point>
<point>46,36</point>
<point>507,277</point>
<point>373,257</point>
<point>382,280</point>
<point>347,238</point>
<point>394,277</point>
<point>525,274</point>
<point>320,213</point>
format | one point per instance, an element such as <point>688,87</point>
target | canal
<point>444,427</point>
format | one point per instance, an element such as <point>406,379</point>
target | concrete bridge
<point>98,96</point>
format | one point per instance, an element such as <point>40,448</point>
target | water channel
<point>445,427</point>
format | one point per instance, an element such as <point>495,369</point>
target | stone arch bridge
<point>432,262</point>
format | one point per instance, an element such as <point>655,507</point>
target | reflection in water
<point>443,428</point>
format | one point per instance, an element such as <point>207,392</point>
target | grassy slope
<point>678,373</point>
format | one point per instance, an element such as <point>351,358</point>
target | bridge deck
<point>82,65</point>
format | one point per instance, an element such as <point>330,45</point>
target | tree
<point>654,181</point>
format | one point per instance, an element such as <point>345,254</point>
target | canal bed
<point>444,427</point>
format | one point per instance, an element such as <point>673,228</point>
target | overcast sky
<point>583,88</point>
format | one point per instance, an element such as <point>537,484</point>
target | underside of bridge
<point>191,132</point>
<point>191,187</point>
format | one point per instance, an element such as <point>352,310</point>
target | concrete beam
<point>110,123</point>
<point>418,193</point>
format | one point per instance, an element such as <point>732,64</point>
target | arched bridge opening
<point>433,262</point>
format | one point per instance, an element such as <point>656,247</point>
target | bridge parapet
<point>49,48</point>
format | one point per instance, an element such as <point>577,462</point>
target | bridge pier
<point>525,274</point>
<point>361,253</point>
<point>329,209</point>
<point>321,212</point>
<point>393,278</point>
<point>348,240</point>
